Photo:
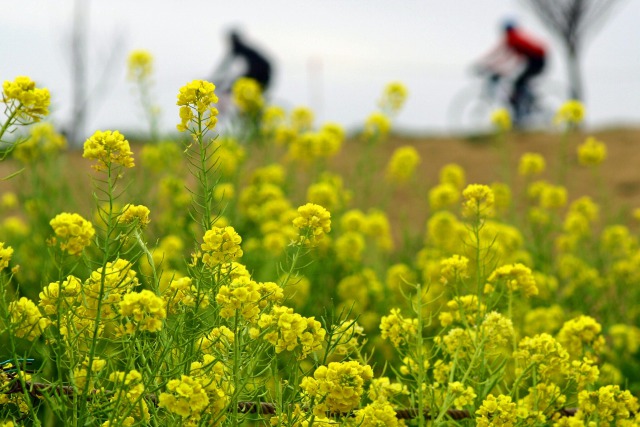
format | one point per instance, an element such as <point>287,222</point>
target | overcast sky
<point>332,55</point>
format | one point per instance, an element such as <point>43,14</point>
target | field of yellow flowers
<point>275,271</point>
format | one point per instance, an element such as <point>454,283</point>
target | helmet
<point>509,25</point>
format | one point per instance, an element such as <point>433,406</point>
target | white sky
<point>332,55</point>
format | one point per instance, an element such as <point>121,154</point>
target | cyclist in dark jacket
<point>256,65</point>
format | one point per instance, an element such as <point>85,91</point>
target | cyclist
<point>254,64</point>
<point>517,49</point>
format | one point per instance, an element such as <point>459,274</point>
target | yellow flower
<point>290,331</point>
<point>592,152</point>
<point>196,100</point>
<point>26,320</point>
<point>402,164</point>
<point>377,126</point>
<point>313,222</point>
<point>301,119</point>
<point>452,174</point>
<point>531,164</point>
<point>543,353</point>
<point>571,112</point>
<point>144,311</point>
<point>59,297</point>
<point>501,119</point>
<point>443,196</point>
<point>393,97</point>
<point>140,65</point>
<point>454,268</point>
<point>580,332</point>
<point>516,277</point>
<point>134,214</point>
<point>478,200</point>
<point>221,245</point>
<point>337,387</point>
<point>108,148</point>
<point>397,329</point>
<point>43,141</point>
<point>462,395</point>
<point>247,95</point>
<point>73,232</point>
<point>497,412</point>
<point>185,397</point>
<point>243,296</point>
<point>5,255</point>
<point>22,96</point>
<point>377,413</point>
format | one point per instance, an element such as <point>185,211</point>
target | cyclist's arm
<point>499,60</point>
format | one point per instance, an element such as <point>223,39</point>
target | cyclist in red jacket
<point>516,48</point>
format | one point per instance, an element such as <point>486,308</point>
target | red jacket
<point>524,45</point>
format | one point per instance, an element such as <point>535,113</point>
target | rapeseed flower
<point>453,174</point>
<point>443,196</point>
<point>143,311</point>
<point>185,397</point>
<point>580,332</point>
<point>543,353</point>
<point>377,413</point>
<point>140,65</point>
<point>301,119</point>
<point>313,222</point>
<point>377,126</point>
<point>108,148</point>
<point>531,164</point>
<point>462,396</point>
<point>397,329</point>
<point>402,165</point>
<point>478,201</point>
<point>43,140</point>
<point>571,112</point>
<point>592,152</point>
<point>243,296</point>
<point>497,412</point>
<point>336,388</point>
<point>134,214</point>
<point>221,245</point>
<point>60,297</point>
<point>393,98</point>
<point>26,320</point>
<point>501,119</point>
<point>196,100</point>
<point>247,95</point>
<point>516,277</point>
<point>30,103</point>
<point>290,331</point>
<point>5,255</point>
<point>73,232</point>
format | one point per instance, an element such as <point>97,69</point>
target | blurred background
<point>334,56</point>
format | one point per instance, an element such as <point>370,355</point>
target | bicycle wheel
<point>469,113</point>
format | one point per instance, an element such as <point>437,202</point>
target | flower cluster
<point>43,140</point>
<point>378,413</point>
<point>143,311</point>
<point>402,164</point>
<point>221,245</point>
<point>313,222</point>
<point>336,388</point>
<point>398,329</point>
<point>22,96</point>
<point>501,119</point>
<point>73,232</point>
<point>478,201</point>
<point>243,296</point>
<point>592,152</point>
<point>393,98</point>
<point>290,331</point>
<point>26,320</point>
<point>497,411</point>
<point>571,112</point>
<point>186,397</point>
<point>196,101</point>
<point>109,148</point>
<point>134,214</point>
<point>5,255</point>
<point>531,164</point>
<point>140,65</point>
<point>516,277</point>
<point>59,297</point>
<point>247,95</point>
<point>377,126</point>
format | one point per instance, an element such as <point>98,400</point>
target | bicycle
<point>470,110</point>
